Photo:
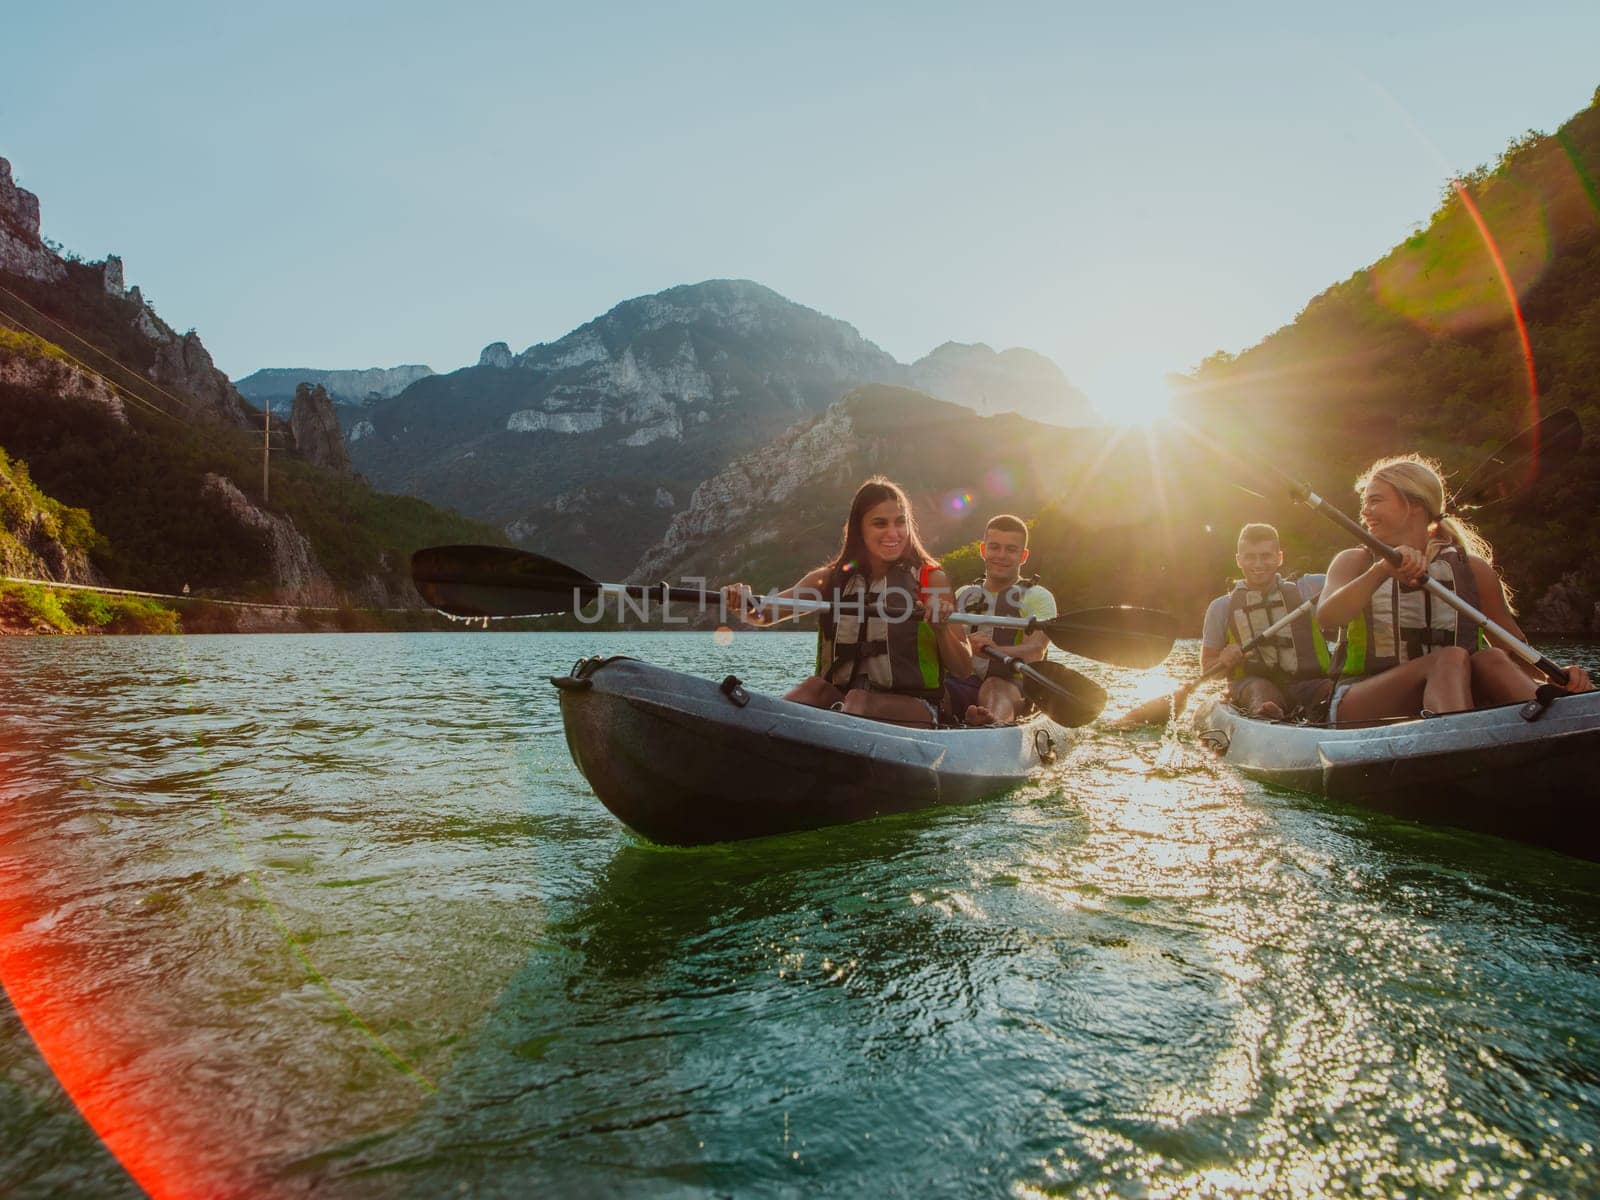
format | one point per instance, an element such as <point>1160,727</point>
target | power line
<point>86,587</point>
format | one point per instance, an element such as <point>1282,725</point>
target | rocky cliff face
<point>297,576</point>
<point>39,538</point>
<point>496,354</point>
<point>317,437</point>
<point>273,385</point>
<point>22,251</point>
<point>1018,381</point>
<point>177,362</point>
<point>183,364</point>
<point>778,510</point>
<point>751,495</point>
<point>1571,605</point>
<point>53,377</point>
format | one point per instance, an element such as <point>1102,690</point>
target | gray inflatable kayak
<point>1490,770</point>
<point>683,760</point>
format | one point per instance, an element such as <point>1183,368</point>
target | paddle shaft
<point>1022,668</point>
<point>1303,494</point>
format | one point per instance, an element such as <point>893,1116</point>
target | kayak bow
<point>685,761</point>
<point>1488,769</point>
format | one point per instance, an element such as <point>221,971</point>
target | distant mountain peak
<point>1015,380</point>
<point>362,386</point>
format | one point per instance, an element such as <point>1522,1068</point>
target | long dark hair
<point>852,554</point>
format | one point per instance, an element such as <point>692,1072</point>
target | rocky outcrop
<point>111,276</point>
<point>759,482</point>
<point>183,364</point>
<point>297,576</point>
<point>39,538</point>
<point>352,387</point>
<point>22,250</point>
<point>1018,381</point>
<point>1571,606</point>
<point>496,354</point>
<point>317,437</point>
<point>59,378</point>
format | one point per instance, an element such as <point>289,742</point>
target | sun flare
<point>1136,404</point>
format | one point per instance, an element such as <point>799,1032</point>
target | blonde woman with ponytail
<point>1401,651</point>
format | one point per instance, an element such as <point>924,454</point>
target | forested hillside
<point>1421,350</point>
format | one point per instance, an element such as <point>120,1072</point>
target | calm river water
<point>337,915</point>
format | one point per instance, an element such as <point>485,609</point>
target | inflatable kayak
<point>683,760</point>
<point>1491,770</point>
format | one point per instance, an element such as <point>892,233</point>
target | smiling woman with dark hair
<point>886,649</point>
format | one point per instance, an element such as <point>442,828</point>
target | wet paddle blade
<point>1067,697</point>
<point>1157,711</point>
<point>1521,461</point>
<point>1121,635</point>
<point>497,581</point>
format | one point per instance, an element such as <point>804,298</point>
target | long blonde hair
<point>1421,480</point>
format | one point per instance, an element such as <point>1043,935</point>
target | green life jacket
<point>1290,655</point>
<point>972,598</point>
<point>861,648</point>
<point>1399,624</point>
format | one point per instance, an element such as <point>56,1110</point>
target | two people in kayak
<point>888,649</point>
<point>1399,650</point>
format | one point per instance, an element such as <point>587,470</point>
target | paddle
<point>499,581</point>
<point>1167,707</point>
<point>1511,468</point>
<point>1065,696</point>
<point>1509,462</point>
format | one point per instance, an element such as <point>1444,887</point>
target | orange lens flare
<point>1511,297</point>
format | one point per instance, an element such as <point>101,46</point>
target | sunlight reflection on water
<point>1137,974</point>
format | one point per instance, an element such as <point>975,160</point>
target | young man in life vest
<point>1286,673</point>
<point>986,697</point>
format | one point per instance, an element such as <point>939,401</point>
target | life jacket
<point>972,598</point>
<point>1290,655</point>
<point>1398,624</point>
<point>897,655</point>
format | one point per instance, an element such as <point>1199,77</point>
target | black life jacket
<point>863,649</point>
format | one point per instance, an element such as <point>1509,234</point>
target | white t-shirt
<point>1035,602</point>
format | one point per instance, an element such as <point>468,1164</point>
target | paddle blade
<point>1521,461</point>
<point>1157,711</point>
<point>1065,696</point>
<point>497,581</point>
<point>1122,635</point>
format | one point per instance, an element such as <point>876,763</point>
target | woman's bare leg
<point>884,706</point>
<point>1496,679</point>
<point>814,691</point>
<point>1439,682</point>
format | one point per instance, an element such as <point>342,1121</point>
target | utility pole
<point>266,444</point>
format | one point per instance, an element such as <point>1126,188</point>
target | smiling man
<point>984,697</point>
<point>1282,675</point>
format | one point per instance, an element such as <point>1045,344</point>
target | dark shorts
<point>1307,698</point>
<point>961,694</point>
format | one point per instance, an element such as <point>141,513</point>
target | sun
<point>1135,404</point>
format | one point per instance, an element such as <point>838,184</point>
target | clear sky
<point>1125,188</point>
